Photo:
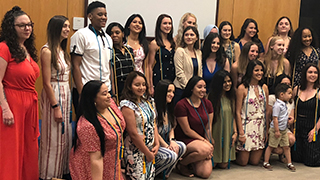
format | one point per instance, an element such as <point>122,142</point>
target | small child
<point>278,126</point>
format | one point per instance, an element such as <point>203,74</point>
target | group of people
<point>143,109</point>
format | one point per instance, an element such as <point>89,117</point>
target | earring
<point>95,103</point>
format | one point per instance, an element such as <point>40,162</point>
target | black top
<point>168,70</point>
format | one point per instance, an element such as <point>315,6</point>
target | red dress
<point>19,142</point>
<point>89,141</point>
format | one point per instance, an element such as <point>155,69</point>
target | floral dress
<point>145,122</point>
<point>253,120</point>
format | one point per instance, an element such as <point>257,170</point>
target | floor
<point>257,172</point>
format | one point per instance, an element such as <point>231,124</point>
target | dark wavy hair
<point>247,77</point>
<point>142,35</point>
<point>190,85</point>
<point>9,35</point>
<point>160,97</point>
<point>127,89</point>
<point>222,24</point>
<point>244,26</point>
<point>115,24</point>
<point>158,31</point>
<point>216,92</point>
<point>206,50</point>
<point>296,45</point>
<point>304,81</point>
<point>88,110</point>
<point>195,30</point>
<point>54,29</point>
<point>275,31</point>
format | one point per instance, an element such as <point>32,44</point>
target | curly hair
<point>9,35</point>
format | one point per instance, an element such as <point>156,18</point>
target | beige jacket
<point>184,66</point>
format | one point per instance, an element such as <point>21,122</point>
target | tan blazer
<point>184,66</point>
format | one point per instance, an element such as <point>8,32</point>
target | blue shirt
<point>195,66</point>
<point>280,110</point>
<point>207,75</point>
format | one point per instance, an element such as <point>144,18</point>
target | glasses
<point>24,26</point>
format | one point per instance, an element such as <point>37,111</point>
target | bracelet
<point>242,135</point>
<point>54,106</point>
<point>173,139</point>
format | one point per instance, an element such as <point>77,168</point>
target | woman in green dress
<point>224,131</point>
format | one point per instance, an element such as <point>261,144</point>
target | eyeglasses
<point>24,26</point>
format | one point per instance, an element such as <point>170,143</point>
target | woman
<point>194,116</point>
<point>213,57</point>
<point>170,150</point>
<point>123,59</point>
<point>187,60</point>
<point>211,28</point>
<point>141,141</point>
<point>135,35</point>
<point>231,48</point>
<point>283,29</point>
<point>275,63</point>
<point>249,52</point>
<point>18,98</point>
<point>56,130</point>
<point>188,19</point>
<point>249,32</point>
<point>250,114</point>
<point>224,128</point>
<point>303,49</point>
<point>97,144</point>
<point>307,124</point>
<point>160,58</point>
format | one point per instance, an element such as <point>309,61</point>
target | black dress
<point>167,63</point>
<point>304,151</point>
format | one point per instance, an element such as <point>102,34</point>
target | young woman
<point>307,124</point>
<point>160,57</point>
<point>123,59</point>
<point>275,63</point>
<point>135,35</point>
<point>231,48</point>
<point>283,29</point>
<point>141,141</point>
<point>249,32</point>
<point>194,116</point>
<point>187,60</point>
<point>97,144</point>
<point>224,128</point>
<point>170,150</point>
<point>56,130</point>
<point>19,128</point>
<point>213,57</point>
<point>249,52</point>
<point>303,49</point>
<point>250,114</point>
<point>188,19</point>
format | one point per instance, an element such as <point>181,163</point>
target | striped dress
<point>55,143</point>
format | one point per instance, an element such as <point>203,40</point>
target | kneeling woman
<point>250,114</point>
<point>194,116</point>
<point>170,150</point>
<point>97,143</point>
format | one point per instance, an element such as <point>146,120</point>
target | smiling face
<point>215,45</point>
<point>278,47</point>
<point>191,21</point>
<point>199,89</point>
<point>257,73</point>
<point>253,52</point>
<point>227,84</point>
<point>102,100</point>
<point>116,35</point>
<point>65,30</point>
<point>190,37</point>
<point>136,25</point>
<point>23,27</point>
<point>170,93</point>
<point>98,18</point>
<point>312,74</point>
<point>284,26</point>
<point>166,25</point>
<point>251,30</point>
<point>306,37</point>
<point>139,86</point>
<point>226,32</point>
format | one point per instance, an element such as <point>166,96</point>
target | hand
<point>290,120</point>
<point>210,145</point>
<point>155,149</point>
<point>242,139</point>
<point>174,147</point>
<point>266,139</point>
<point>150,156</point>
<point>57,114</point>
<point>277,134</point>
<point>310,135</point>
<point>151,91</point>
<point>7,116</point>
<point>234,138</point>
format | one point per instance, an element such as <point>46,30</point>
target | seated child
<point>278,127</point>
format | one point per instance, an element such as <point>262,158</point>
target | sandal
<point>267,166</point>
<point>291,167</point>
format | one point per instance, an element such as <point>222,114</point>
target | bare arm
<point>234,74</point>
<point>153,47</point>
<point>6,112</point>
<point>96,164</point>
<point>227,65</point>
<point>241,94</point>
<point>287,67</point>
<point>237,52</point>
<point>76,62</point>
<point>156,144</point>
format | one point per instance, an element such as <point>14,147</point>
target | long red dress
<point>19,142</point>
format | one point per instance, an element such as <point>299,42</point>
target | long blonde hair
<point>268,59</point>
<point>180,28</point>
<point>244,58</point>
